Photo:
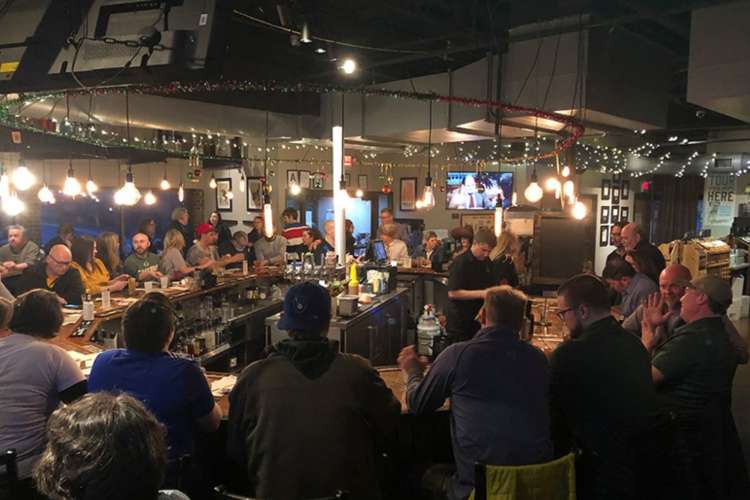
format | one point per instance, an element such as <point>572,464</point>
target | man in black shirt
<point>54,274</point>
<point>470,275</point>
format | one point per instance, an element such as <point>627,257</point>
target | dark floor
<point>741,397</point>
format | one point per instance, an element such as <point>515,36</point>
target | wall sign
<point>719,199</point>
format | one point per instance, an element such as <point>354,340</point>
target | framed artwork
<point>254,194</point>
<point>625,191</point>
<point>615,195</point>
<point>604,216</point>
<point>317,180</point>
<point>603,236</point>
<point>625,214</point>
<point>348,179</point>
<point>614,213</point>
<point>606,188</point>
<point>616,178</point>
<point>224,194</point>
<point>408,190</point>
<point>304,179</point>
<point>292,177</point>
<point>478,220</point>
<point>362,182</point>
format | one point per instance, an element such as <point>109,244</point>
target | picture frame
<point>348,179</point>
<point>625,214</point>
<point>615,195</point>
<point>362,182</point>
<point>606,189</point>
<point>292,177</point>
<point>625,190</point>
<point>408,194</point>
<point>478,220</point>
<point>224,203</point>
<point>304,179</point>
<point>614,214</point>
<point>317,180</point>
<point>254,193</point>
<point>604,236</point>
<point>604,214</point>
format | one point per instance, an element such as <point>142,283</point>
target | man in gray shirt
<point>204,252</point>
<point>19,253</point>
<point>271,250</point>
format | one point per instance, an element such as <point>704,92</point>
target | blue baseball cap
<point>307,307</point>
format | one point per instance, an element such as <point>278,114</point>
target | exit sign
<point>347,160</point>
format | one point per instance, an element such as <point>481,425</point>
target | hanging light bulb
<point>22,177</point>
<point>267,216</point>
<point>428,195</point>
<point>12,205</point>
<point>569,190</point>
<point>45,194</point>
<point>243,181</point>
<point>552,184</point>
<point>128,194</point>
<point>566,171</point>
<point>514,199</point>
<point>71,186</point>
<point>212,183</point>
<point>579,210</point>
<point>181,193</point>
<point>149,198</point>
<point>4,184</point>
<point>533,192</point>
<point>294,189</point>
<point>91,186</point>
<point>419,204</point>
<point>359,193</point>
<point>498,220</point>
<point>164,184</point>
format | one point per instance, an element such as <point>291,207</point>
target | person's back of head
<point>619,269</point>
<point>148,324</point>
<point>505,306</point>
<point>290,214</point>
<point>103,446</point>
<point>307,311</point>
<point>37,313</point>
<point>82,250</point>
<point>587,290</point>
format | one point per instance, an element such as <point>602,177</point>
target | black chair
<point>221,493</point>
<point>9,479</point>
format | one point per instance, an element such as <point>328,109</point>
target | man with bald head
<point>662,311</point>
<point>56,275</point>
<point>635,238</point>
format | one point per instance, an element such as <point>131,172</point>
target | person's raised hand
<point>409,361</point>
<point>655,311</point>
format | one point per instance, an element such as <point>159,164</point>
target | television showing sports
<point>478,190</point>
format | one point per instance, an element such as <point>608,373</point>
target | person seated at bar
<point>65,235</point>
<point>293,230</point>
<point>142,264</point>
<point>635,238</point>
<point>204,252</point>
<point>238,249</point>
<point>35,375</point>
<point>470,276</point>
<point>91,452</point>
<point>18,254</point>
<point>271,250</point>
<point>94,274</point>
<point>664,311</point>
<point>396,249</point>
<point>504,257</point>
<point>181,222</point>
<point>108,250</point>
<point>431,251</point>
<point>634,287</point>
<point>56,274</point>
<point>313,241</point>
<point>640,262</point>
<point>463,237</point>
<point>601,394</point>
<point>172,264</point>
<point>693,371</point>
<point>173,388</point>
<point>257,231</point>
<point>304,421</point>
<point>223,233</point>
<point>493,421</point>
<point>328,243</point>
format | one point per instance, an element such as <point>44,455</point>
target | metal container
<point>348,305</point>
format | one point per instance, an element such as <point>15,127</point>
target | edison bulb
<point>181,193</point>
<point>12,205</point>
<point>71,186</point>
<point>552,184</point>
<point>349,66</point>
<point>46,195</point>
<point>579,210</point>
<point>267,220</point>
<point>533,192</point>
<point>212,182</point>
<point>164,184</point>
<point>359,193</point>
<point>294,189</point>
<point>149,198</point>
<point>91,186</point>
<point>22,178</point>
<point>569,189</point>
<point>566,171</point>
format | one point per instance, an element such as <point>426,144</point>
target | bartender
<point>470,275</point>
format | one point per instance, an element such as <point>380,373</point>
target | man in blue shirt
<point>497,387</point>
<point>174,389</point>
<point>634,287</point>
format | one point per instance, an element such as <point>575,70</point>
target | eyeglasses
<point>561,314</point>
<point>58,262</point>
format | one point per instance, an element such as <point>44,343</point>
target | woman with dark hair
<point>94,273</point>
<point>35,375</point>
<point>221,228</point>
<point>108,250</point>
<point>93,453</point>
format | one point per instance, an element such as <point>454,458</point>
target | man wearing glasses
<point>56,275</point>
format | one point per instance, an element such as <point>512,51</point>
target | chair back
<point>221,493</point>
<point>9,475</point>
<point>553,480</point>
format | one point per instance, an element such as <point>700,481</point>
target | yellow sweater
<point>94,280</point>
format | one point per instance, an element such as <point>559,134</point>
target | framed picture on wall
<point>478,220</point>
<point>614,214</point>
<point>254,194</point>
<point>603,236</point>
<point>606,188</point>
<point>604,216</point>
<point>616,178</point>
<point>292,177</point>
<point>348,179</point>
<point>408,200</point>
<point>317,180</point>
<point>625,192</point>
<point>224,194</point>
<point>625,214</point>
<point>304,179</point>
<point>362,182</point>
<point>615,194</point>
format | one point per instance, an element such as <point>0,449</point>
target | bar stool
<point>221,493</point>
<point>9,479</point>
<point>526,482</point>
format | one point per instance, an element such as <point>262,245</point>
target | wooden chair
<point>221,493</point>
<point>9,479</point>
<point>523,482</point>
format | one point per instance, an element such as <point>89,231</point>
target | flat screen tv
<point>478,191</point>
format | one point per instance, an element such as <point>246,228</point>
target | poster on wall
<point>614,213</point>
<point>254,194</point>
<point>478,220</point>
<point>624,214</point>
<point>362,182</point>
<point>606,187</point>
<point>625,192</point>
<point>304,179</point>
<point>292,177</point>
<point>615,194</point>
<point>224,194</point>
<point>603,236</point>
<point>719,199</point>
<point>604,214</point>
<point>408,194</point>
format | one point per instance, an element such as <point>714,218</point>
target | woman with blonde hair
<point>172,263</point>
<point>506,258</point>
<point>108,249</point>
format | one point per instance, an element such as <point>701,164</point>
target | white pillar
<point>339,198</point>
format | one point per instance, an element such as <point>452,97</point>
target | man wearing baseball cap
<point>693,371</point>
<point>305,421</point>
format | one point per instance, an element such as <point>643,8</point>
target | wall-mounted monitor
<point>478,190</point>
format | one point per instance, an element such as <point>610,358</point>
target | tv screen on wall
<point>478,190</point>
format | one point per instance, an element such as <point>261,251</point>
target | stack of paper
<point>223,386</point>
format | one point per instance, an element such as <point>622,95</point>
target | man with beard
<point>142,264</point>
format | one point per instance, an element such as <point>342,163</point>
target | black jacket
<point>304,422</point>
<point>68,286</point>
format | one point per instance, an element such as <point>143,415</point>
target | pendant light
<point>164,184</point>
<point>149,198</point>
<point>71,186</point>
<point>128,194</point>
<point>579,210</point>
<point>22,177</point>
<point>212,183</point>
<point>4,183</point>
<point>181,193</point>
<point>428,196</point>
<point>267,208</point>
<point>243,181</point>
<point>45,194</point>
<point>533,192</point>
<point>91,186</point>
<point>12,204</point>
